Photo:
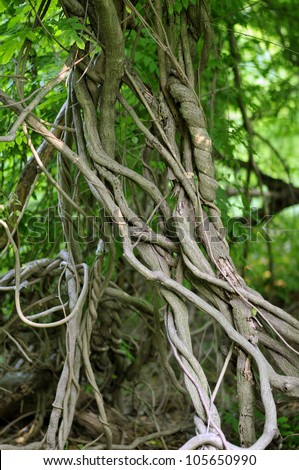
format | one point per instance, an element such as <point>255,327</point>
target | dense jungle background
<point>149,192</point>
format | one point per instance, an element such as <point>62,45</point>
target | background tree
<point>115,225</point>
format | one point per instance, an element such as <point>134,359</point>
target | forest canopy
<point>149,192</point>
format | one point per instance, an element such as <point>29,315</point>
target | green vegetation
<point>149,193</point>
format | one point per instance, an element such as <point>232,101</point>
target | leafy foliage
<point>248,90</point>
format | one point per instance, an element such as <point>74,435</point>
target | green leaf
<point>170,10</point>
<point>31,35</point>
<point>80,42</point>
<point>178,6</point>
<point>8,52</point>
<point>19,139</point>
<point>282,420</point>
<point>3,146</point>
<point>3,5</point>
